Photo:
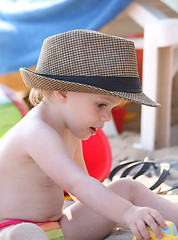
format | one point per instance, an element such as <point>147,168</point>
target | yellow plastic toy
<point>169,234</point>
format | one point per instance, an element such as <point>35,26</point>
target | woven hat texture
<point>88,61</point>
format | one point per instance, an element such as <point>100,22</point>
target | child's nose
<point>106,117</point>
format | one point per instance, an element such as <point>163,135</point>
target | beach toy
<point>169,234</point>
<point>12,109</point>
<point>97,155</point>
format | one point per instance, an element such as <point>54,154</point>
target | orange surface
<point>14,81</point>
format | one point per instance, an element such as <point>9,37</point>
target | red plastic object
<point>97,155</point>
<point>119,113</point>
<point>139,53</point>
<point>118,116</point>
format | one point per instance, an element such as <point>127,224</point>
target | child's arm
<point>46,147</point>
<point>78,158</point>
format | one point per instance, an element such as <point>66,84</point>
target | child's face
<point>85,113</point>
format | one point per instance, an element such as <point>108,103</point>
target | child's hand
<point>137,218</point>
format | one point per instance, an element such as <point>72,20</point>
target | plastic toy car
<point>169,234</point>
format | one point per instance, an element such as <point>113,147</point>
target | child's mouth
<point>93,130</point>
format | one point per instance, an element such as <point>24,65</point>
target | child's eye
<point>100,105</point>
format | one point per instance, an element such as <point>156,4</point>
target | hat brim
<point>34,80</point>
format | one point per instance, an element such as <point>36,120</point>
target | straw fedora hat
<point>88,61</point>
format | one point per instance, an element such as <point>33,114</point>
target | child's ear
<point>60,95</point>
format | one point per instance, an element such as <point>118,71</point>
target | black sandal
<point>147,163</point>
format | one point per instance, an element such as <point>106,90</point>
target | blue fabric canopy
<point>25,24</point>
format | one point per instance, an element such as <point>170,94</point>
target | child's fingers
<point>154,220</point>
<point>159,219</point>
<point>134,229</point>
<point>154,226</point>
<point>143,230</point>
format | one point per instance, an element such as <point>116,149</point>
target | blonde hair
<point>37,95</point>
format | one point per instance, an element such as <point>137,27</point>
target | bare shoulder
<point>53,153</point>
<point>40,132</point>
<point>30,136</point>
<point>43,143</point>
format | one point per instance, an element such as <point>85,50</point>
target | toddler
<point>80,76</point>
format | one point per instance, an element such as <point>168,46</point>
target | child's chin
<point>87,137</point>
